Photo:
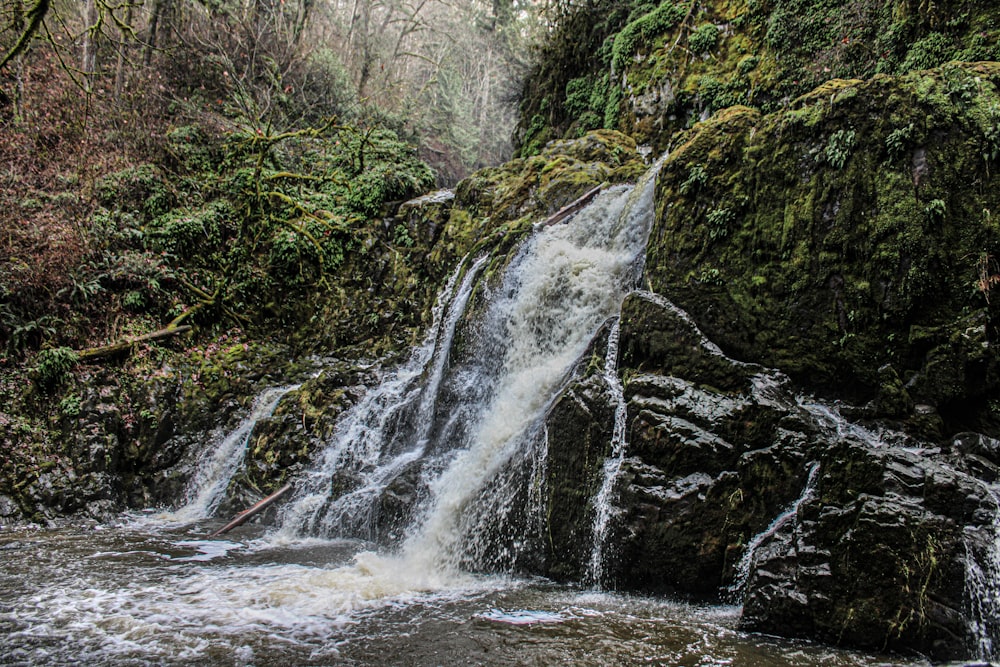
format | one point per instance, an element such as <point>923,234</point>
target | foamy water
<point>122,596</point>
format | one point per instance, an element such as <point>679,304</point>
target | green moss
<point>769,53</point>
<point>704,39</point>
<point>811,268</point>
<point>639,33</point>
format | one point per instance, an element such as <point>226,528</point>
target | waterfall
<point>220,462</point>
<point>560,288</point>
<point>603,507</point>
<point>365,449</point>
<point>445,461</point>
<point>982,574</point>
<point>745,566</point>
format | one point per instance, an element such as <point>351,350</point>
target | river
<point>149,592</point>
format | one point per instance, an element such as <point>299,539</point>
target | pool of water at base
<point>143,593</point>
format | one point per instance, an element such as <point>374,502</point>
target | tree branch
<point>35,16</point>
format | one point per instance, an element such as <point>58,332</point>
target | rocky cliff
<point>812,376</point>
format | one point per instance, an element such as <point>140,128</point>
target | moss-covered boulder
<point>651,69</point>
<point>561,172</point>
<point>849,240</point>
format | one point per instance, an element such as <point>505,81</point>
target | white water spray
<point>603,505</point>
<point>366,443</point>
<point>745,567</point>
<point>982,583</point>
<point>218,464</point>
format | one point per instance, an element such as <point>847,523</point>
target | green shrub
<point>578,95</point>
<point>192,149</point>
<point>183,231</point>
<point>140,189</point>
<point>928,52</point>
<point>747,65</point>
<point>641,32</point>
<point>717,95</point>
<point>612,109</point>
<point>704,39</point>
<point>52,365</point>
<point>588,121</point>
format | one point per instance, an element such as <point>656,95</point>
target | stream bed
<point>149,592</point>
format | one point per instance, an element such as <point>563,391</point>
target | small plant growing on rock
<point>697,177</point>
<point>52,366</point>
<point>935,209</point>
<point>898,141</point>
<point>704,39</point>
<point>718,221</point>
<point>838,148</point>
<point>70,406</point>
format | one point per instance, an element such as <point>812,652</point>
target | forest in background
<point>221,163</point>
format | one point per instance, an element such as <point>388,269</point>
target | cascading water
<point>830,418</point>
<point>454,443</point>
<point>219,463</point>
<point>371,447</point>
<point>603,505</point>
<point>745,566</point>
<point>982,583</point>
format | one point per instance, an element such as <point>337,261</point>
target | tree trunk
<point>126,345</point>
<point>364,38</point>
<point>18,25</point>
<point>569,209</point>
<point>90,34</point>
<point>159,7</point>
<point>302,19</point>
<point>248,514</point>
<point>122,49</point>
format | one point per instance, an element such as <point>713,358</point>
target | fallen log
<point>251,512</point>
<point>126,345</point>
<point>570,209</point>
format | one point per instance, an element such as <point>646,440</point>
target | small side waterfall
<point>830,418</point>
<point>745,567</point>
<point>982,584</point>
<point>368,453</point>
<point>218,464</point>
<point>603,505</point>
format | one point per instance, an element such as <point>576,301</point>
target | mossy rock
<point>817,239</point>
<point>542,184</point>
<point>653,69</point>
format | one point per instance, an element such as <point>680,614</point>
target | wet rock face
<point>848,249</point>
<point>584,416</point>
<point>737,488</point>
<point>876,557</point>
